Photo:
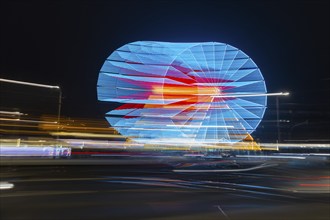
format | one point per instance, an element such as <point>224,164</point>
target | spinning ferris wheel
<point>183,92</point>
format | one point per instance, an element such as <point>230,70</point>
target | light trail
<point>202,126</point>
<point>225,170</point>
<point>78,134</point>
<point>251,95</point>
<point>11,113</point>
<point>6,185</point>
<point>272,156</point>
<point>29,83</point>
<point>28,121</point>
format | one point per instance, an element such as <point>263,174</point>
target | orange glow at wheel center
<point>170,90</point>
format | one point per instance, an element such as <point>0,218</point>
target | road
<point>151,189</point>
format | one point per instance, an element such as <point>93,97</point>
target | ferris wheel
<point>182,92</point>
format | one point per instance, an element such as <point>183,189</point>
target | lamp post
<point>59,108</point>
<point>278,116</point>
<point>278,120</point>
<point>41,86</point>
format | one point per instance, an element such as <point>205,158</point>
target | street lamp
<point>41,86</point>
<point>278,115</point>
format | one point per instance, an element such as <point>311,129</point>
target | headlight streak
<point>223,170</point>
<point>272,156</point>
<point>87,135</point>
<point>28,121</point>
<point>6,185</point>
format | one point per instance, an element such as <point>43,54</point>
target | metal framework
<point>183,92</point>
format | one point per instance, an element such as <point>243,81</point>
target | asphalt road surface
<point>230,188</point>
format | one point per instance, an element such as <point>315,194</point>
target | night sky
<point>66,42</point>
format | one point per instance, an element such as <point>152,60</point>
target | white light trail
<point>11,113</point>
<point>202,126</point>
<point>152,129</point>
<point>224,170</point>
<point>251,95</point>
<point>78,134</point>
<point>28,121</point>
<point>6,185</point>
<point>295,145</point>
<point>272,156</point>
<point>29,83</point>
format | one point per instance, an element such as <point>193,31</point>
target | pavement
<point>149,188</point>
